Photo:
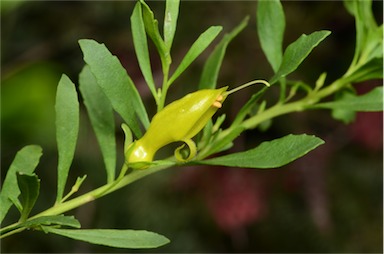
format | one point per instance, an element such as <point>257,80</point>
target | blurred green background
<point>328,201</point>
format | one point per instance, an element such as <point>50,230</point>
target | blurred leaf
<point>208,79</point>
<point>10,6</point>
<point>133,239</point>
<point>141,46</point>
<point>67,129</point>
<point>196,49</point>
<point>25,161</point>
<point>27,99</point>
<point>152,28</point>
<point>270,29</point>
<point>102,119</point>
<point>371,101</point>
<point>170,21</point>
<point>29,185</point>
<point>271,154</point>
<point>297,51</point>
<point>116,84</point>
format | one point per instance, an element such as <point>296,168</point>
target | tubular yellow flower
<point>181,120</point>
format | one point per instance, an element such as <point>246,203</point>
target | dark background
<point>328,201</point>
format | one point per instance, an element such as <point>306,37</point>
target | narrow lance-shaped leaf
<point>170,21</point>
<point>270,29</point>
<point>365,24</point>
<point>132,239</point>
<point>152,28</point>
<point>67,128</point>
<point>196,49</point>
<point>102,119</point>
<point>297,51</point>
<point>116,84</point>
<point>271,154</point>
<point>25,161</point>
<point>212,66</point>
<point>141,46</point>
<point>371,101</point>
<point>29,185</point>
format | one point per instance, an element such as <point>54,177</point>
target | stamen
<point>217,104</point>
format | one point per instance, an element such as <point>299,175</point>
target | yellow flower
<point>181,120</point>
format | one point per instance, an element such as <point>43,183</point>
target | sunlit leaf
<point>116,84</point>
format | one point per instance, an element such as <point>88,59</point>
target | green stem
<point>61,208</point>
<point>164,88</point>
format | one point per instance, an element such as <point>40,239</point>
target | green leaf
<point>196,49</point>
<point>208,79</point>
<point>297,51</point>
<point>170,21</point>
<point>116,84</point>
<point>371,101</point>
<point>271,154</point>
<point>102,119</point>
<point>270,29</point>
<point>29,185</point>
<point>132,239</point>
<point>67,129</point>
<point>141,47</point>
<point>25,161</point>
<point>152,28</point>
<point>365,25</point>
<point>57,220</point>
